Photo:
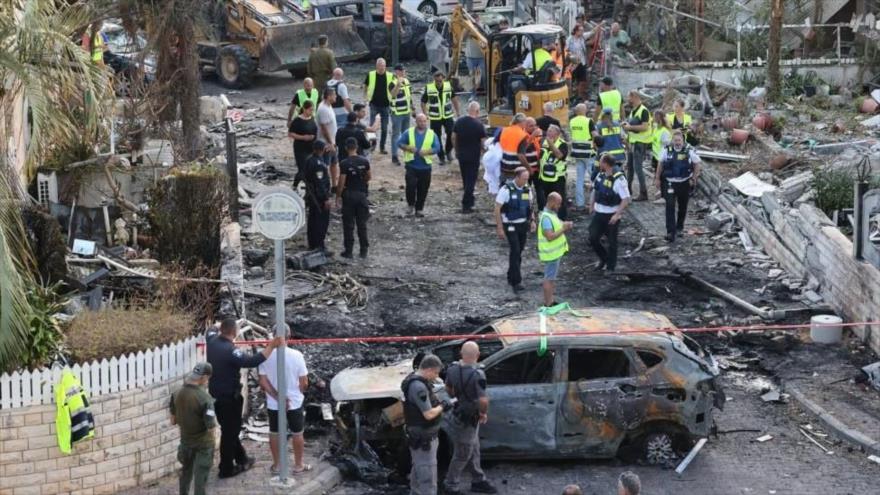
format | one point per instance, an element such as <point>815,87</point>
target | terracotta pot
<point>730,123</point>
<point>869,105</point>
<point>779,161</point>
<point>739,136</point>
<point>762,121</point>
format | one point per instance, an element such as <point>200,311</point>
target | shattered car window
<point>592,364</point>
<point>523,368</point>
<point>650,359</point>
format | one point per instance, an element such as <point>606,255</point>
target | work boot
<point>518,288</point>
<point>248,463</point>
<point>363,253</point>
<point>347,254</point>
<point>395,161</point>
<point>411,210</point>
<point>383,151</point>
<point>236,470</point>
<point>643,196</point>
<point>670,237</point>
<point>483,487</point>
<point>420,214</point>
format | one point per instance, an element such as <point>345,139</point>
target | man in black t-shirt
<point>352,129</point>
<point>318,194</point>
<point>546,120</point>
<point>468,136</point>
<point>354,175</point>
<point>303,130</point>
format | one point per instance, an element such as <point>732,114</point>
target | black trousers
<point>681,194</point>
<point>551,187</point>
<point>228,410</point>
<point>599,226</point>
<point>469,170</point>
<point>417,184</point>
<point>516,233</point>
<point>438,126</point>
<point>355,210</point>
<point>317,223</point>
<point>300,159</point>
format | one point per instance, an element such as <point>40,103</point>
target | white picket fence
<point>34,388</point>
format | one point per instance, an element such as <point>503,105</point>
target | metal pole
<point>395,34</point>
<point>232,168</point>
<point>281,331</point>
<point>859,229</point>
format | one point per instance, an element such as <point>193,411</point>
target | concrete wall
<point>134,445</point>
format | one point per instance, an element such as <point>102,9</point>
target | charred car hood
<point>370,383</point>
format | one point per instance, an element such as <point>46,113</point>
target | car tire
<point>428,8</point>
<point>659,445</point>
<point>421,52</point>
<point>234,66</point>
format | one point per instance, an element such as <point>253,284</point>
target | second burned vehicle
<point>636,394</point>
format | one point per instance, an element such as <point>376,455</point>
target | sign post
<point>279,213</point>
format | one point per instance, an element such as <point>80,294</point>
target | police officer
<point>514,218</point>
<point>609,138</point>
<point>466,382</point>
<point>354,175</point>
<point>318,195</point>
<point>552,167</point>
<point>192,410</point>
<point>422,411</point>
<point>225,386</point>
<point>609,198</point>
<point>676,176</point>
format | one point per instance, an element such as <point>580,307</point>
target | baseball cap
<point>201,370</point>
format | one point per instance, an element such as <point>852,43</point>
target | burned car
<point>635,394</point>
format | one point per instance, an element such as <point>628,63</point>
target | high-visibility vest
<point>427,144</point>
<point>97,48</point>
<point>613,99</point>
<point>551,250</point>
<point>73,419</point>
<point>510,139</point>
<point>646,135</point>
<point>306,4</point>
<point>657,141</point>
<point>402,105</point>
<point>541,57</point>
<point>533,149</point>
<point>371,84</point>
<point>552,168</point>
<point>581,139</point>
<point>685,126</point>
<point>611,141</point>
<point>302,96</point>
<point>439,103</point>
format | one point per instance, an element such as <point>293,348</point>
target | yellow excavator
<point>251,35</point>
<point>509,90</point>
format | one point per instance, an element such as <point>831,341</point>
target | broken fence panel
<point>24,388</point>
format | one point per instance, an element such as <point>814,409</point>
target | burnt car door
<point>600,399</point>
<point>522,387</point>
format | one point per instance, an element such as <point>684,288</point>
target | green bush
<point>835,188</point>
<point>45,329</point>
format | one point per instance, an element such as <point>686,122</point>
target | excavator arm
<point>461,26</point>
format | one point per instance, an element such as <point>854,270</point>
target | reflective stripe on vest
<point>657,141</point>
<point>73,419</point>
<point>552,168</point>
<point>670,121</point>
<point>510,139</point>
<point>604,187</point>
<point>532,156</point>
<point>302,96</point>
<point>612,99</point>
<point>371,84</point>
<point>518,204</point>
<point>427,143</point>
<point>402,105</point>
<point>581,139</point>
<point>678,163</point>
<point>555,249</point>
<point>644,136</point>
<point>439,104</point>
<point>98,48</point>
<point>612,143</point>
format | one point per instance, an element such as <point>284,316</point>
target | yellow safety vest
<point>555,249</point>
<point>644,136</point>
<point>302,96</point>
<point>581,139</point>
<point>552,168</point>
<point>439,104</point>
<point>427,144</point>
<point>371,85</point>
<point>402,105</point>
<point>613,99</point>
<point>73,419</point>
<point>541,57</point>
<point>685,126</point>
<point>657,141</point>
<point>97,46</point>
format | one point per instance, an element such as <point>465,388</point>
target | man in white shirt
<point>296,381</point>
<point>676,174</point>
<point>342,106</point>
<point>609,198</point>
<point>326,120</point>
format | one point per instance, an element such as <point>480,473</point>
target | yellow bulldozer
<point>509,90</point>
<point>251,35</point>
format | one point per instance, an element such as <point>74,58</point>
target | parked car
<point>444,7</point>
<point>370,25</point>
<point>635,394</point>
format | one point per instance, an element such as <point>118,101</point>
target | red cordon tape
<point>492,336</point>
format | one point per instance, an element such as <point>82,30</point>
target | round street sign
<point>279,213</point>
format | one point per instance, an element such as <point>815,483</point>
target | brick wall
<point>134,445</point>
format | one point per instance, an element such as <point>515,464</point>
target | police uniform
<point>678,169</point>
<point>225,387</point>
<point>355,208</point>
<point>551,174</point>
<point>421,434</point>
<point>193,411</point>
<point>317,179</point>
<point>516,211</point>
<point>468,384</point>
<point>608,193</point>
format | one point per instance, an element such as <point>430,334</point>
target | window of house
<point>523,368</point>
<point>593,364</point>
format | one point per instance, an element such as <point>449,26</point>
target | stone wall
<point>134,444</point>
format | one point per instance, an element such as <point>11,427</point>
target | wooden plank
<point>5,391</point>
<point>15,383</point>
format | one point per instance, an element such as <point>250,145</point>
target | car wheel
<point>658,449</point>
<point>428,8</point>
<point>234,66</point>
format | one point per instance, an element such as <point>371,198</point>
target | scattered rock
<point>254,256</point>
<point>774,273</point>
<point>718,220</point>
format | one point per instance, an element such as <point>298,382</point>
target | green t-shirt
<point>193,409</point>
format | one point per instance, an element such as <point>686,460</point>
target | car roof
<point>598,325</point>
<point>535,29</point>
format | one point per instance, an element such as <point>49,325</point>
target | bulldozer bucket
<point>287,46</point>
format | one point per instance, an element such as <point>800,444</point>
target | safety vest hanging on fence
<point>73,418</point>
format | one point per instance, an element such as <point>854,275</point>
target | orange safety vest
<point>510,139</point>
<point>559,61</point>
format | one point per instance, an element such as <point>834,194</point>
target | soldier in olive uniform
<point>192,410</point>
